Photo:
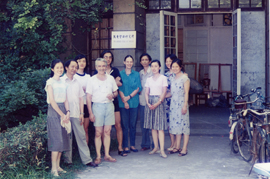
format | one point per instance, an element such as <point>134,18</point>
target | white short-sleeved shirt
<point>83,80</point>
<point>74,92</point>
<point>156,85</point>
<point>100,89</point>
<point>59,90</point>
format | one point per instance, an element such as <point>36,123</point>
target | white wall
<point>220,51</point>
<point>210,43</point>
<point>152,35</point>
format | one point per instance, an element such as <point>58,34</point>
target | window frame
<point>99,28</point>
<point>202,9</point>
<point>157,10</point>
<point>250,8</point>
<point>218,9</point>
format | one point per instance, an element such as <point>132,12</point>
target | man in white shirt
<point>101,90</point>
<point>75,100</point>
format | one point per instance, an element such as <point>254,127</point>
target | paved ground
<point>209,155</point>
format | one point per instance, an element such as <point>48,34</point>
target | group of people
<point>111,97</point>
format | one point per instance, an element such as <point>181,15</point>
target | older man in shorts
<point>101,90</point>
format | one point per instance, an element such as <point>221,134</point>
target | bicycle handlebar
<point>255,112</point>
<point>249,101</point>
<point>247,95</point>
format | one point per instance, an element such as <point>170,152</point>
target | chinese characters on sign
<point>123,39</point>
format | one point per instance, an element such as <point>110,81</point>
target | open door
<point>168,36</point>
<point>236,52</point>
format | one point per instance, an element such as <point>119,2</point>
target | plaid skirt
<point>155,119</point>
<point>58,138</point>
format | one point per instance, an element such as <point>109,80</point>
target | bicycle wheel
<point>258,141</point>
<point>234,146</point>
<point>263,150</point>
<point>243,139</point>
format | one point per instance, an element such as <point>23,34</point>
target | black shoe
<point>126,151</point>
<point>91,164</point>
<point>145,148</point>
<point>69,164</point>
<point>133,150</point>
<point>181,154</point>
<point>122,153</point>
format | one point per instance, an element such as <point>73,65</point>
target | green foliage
<point>32,34</point>
<point>141,4</point>
<point>23,151</point>
<point>24,145</point>
<point>21,99</point>
<point>36,82</point>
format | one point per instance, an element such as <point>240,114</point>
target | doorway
<point>205,44</point>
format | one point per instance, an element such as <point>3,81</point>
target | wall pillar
<point>253,51</point>
<point>127,16</point>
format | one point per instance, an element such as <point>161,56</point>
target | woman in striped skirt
<point>155,114</point>
<point>57,109</point>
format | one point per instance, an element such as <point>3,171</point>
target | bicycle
<point>260,148</point>
<point>239,103</point>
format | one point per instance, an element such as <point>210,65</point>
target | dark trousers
<point>128,122</point>
<point>145,132</point>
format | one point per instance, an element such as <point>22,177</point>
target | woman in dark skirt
<point>58,110</point>
<point>155,114</point>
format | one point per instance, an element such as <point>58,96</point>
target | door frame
<point>162,45</point>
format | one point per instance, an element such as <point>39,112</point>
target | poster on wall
<point>123,39</point>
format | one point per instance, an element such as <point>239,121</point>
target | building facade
<point>226,41</point>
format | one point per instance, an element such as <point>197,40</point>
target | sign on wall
<point>123,39</point>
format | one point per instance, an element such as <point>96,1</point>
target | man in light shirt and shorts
<point>101,90</point>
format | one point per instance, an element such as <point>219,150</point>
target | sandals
<point>110,159</point>
<point>163,155</point>
<point>122,153</point>
<point>181,154</point>
<point>154,152</point>
<point>60,170</point>
<point>54,173</point>
<point>170,148</point>
<point>175,150</point>
<point>97,161</point>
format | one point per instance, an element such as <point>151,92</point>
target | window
<point>187,4</point>
<point>170,34</point>
<point>219,4</point>
<point>159,4</point>
<point>194,19</point>
<point>100,39</point>
<point>250,3</point>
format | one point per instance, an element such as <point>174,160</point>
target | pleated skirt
<point>58,139</point>
<point>155,119</point>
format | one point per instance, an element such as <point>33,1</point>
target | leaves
<point>32,34</point>
<point>24,145</point>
